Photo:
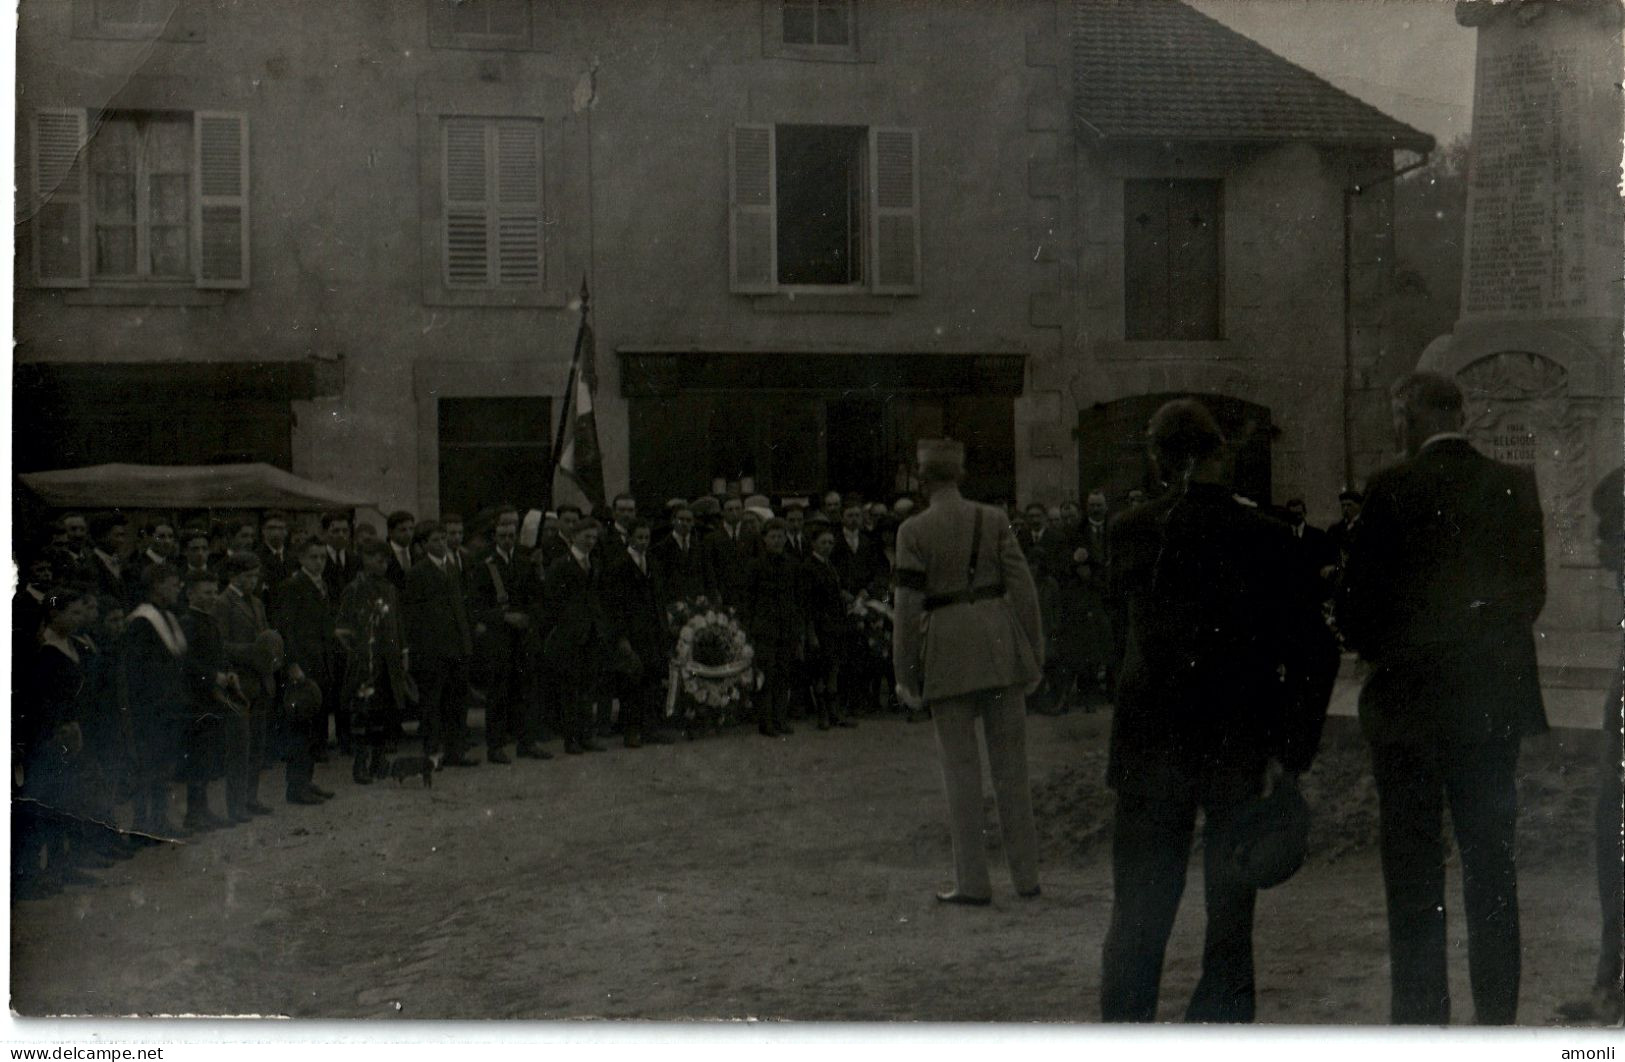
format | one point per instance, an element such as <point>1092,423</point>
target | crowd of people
<point>200,653</point>
<point>152,651</point>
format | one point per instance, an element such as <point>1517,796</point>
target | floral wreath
<point>713,657</point>
<point>874,619</point>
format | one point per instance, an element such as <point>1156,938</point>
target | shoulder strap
<point>975,549</point>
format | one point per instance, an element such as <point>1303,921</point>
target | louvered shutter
<point>60,200</point>
<point>467,236</point>
<point>220,217</point>
<point>753,260</point>
<point>895,210</point>
<point>519,202</point>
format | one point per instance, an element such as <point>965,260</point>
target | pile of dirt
<point>1556,790</point>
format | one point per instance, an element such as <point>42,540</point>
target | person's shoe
<point>238,816</point>
<point>572,748</point>
<point>824,724</point>
<point>497,756</point>
<point>325,794</point>
<point>532,751</point>
<point>1031,894</point>
<point>964,900</point>
<point>464,760</point>
<point>254,807</point>
<point>847,724</point>
<point>303,795</point>
<point>659,737</point>
<point>785,730</point>
<point>591,746</point>
<point>766,730</point>
<point>632,741</point>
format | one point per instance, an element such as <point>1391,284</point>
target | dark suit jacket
<point>1215,611</point>
<point>865,568</point>
<point>304,618</point>
<point>274,572</point>
<point>205,657</point>
<point>632,607</point>
<point>496,587</point>
<point>397,574</point>
<point>124,587</point>
<point>725,562</point>
<point>680,574</point>
<point>242,620</point>
<point>578,644</point>
<point>437,626</point>
<point>338,576</point>
<point>1445,578</point>
<point>823,606</point>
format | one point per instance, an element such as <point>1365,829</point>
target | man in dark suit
<point>727,552</point>
<point>109,569</point>
<point>439,643</point>
<point>499,605</point>
<point>680,572</point>
<point>304,618</point>
<point>1341,533</point>
<point>254,655</point>
<point>402,531</point>
<point>795,523</point>
<point>1203,720</point>
<point>577,645</point>
<point>342,564</point>
<point>558,543</point>
<point>276,560</point>
<point>1446,574</point>
<point>637,626</point>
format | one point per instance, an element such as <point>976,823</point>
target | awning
<point>246,486</point>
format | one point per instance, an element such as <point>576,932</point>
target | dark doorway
<point>856,454</point>
<point>1112,453</point>
<point>494,451</point>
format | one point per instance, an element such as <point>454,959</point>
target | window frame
<point>861,41</point>
<point>219,203</point>
<point>142,221</point>
<point>536,36</point>
<point>560,141</point>
<point>183,25</point>
<point>754,194</point>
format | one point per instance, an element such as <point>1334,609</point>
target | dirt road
<point>730,877</point>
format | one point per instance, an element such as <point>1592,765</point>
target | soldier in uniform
<point>979,654</point>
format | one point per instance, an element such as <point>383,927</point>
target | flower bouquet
<point>873,617</point>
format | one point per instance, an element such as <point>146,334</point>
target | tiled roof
<point>1159,70</point>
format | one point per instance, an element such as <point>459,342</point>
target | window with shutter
<point>221,243</point>
<point>492,191</point>
<point>61,228</point>
<point>1173,260</point>
<point>496,24</point>
<point>824,207</point>
<point>896,211</point>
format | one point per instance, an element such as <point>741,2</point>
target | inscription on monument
<point>1513,442</point>
<point>1528,226</point>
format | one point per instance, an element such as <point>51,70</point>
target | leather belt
<point>963,597</point>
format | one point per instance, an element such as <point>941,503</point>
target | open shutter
<point>753,259</point>
<point>220,221</point>
<point>61,200</point>
<point>467,218</point>
<point>895,214</point>
<point>519,202</point>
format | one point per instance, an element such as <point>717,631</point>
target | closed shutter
<point>467,217</point>
<point>519,202</point>
<point>1145,260</point>
<point>61,221</point>
<point>895,233</point>
<point>752,211</point>
<point>220,246</point>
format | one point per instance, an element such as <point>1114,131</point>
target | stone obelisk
<point>1538,349</point>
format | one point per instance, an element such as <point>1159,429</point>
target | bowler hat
<point>1269,838</point>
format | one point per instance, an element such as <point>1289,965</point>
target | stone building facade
<point>349,239</point>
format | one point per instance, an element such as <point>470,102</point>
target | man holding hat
<point>978,656</point>
<point>255,653</point>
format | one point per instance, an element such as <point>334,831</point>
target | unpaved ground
<point>735,876</point>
